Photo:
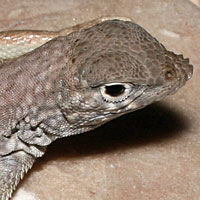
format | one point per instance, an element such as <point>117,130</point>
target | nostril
<point>169,74</point>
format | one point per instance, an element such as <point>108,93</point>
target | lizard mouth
<point>137,99</point>
<point>148,95</point>
<point>153,94</point>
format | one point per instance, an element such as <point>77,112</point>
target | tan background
<point>152,154</point>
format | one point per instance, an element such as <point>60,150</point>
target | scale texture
<point>75,83</point>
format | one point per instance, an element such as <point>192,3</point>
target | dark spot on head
<point>73,60</point>
<point>76,40</point>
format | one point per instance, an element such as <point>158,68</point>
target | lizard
<point>79,79</point>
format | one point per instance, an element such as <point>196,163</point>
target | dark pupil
<point>115,90</point>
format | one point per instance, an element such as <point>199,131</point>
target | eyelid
<point>111,84</point>
<point>128,88</point>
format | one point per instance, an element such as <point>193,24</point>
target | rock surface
<point>153,153</point>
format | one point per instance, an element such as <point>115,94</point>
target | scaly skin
<point>75,83</point>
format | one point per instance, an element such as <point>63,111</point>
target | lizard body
<point>75,83</point>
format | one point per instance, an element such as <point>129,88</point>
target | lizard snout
<point>188,71</point>
<point>185,71</point>
<point>176,69</point>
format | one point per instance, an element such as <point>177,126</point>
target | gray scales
<point>75,83</point>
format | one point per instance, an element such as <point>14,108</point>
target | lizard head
<point>116,67</point>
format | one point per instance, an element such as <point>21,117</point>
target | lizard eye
<point>115,92</point>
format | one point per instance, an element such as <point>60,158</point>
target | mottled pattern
<point>76,83</point>
<point>122,51</point>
